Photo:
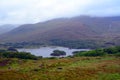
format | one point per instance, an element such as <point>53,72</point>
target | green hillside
<point>87,66</point>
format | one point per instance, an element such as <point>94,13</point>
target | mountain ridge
<point>103,29</point>
<point>7,27</point>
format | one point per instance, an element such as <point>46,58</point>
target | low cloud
<point>32,11</point>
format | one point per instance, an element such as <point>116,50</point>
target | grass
<point>109,76</point>
<point>77,68</point>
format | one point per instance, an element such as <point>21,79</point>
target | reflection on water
<point>46,51</point>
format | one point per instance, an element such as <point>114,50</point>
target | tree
<point>12,49</point>
<point>58,53</point>
<point>92,53</point>
<point>111,50</point>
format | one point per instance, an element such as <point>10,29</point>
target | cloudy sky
<point>32,11</point>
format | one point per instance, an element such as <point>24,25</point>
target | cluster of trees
<point>21,44</point>
<point>21,55</point>
<point>100,52</point>
<point>13,53</point>
<point>56,42</point>
<point>112,50</point>
<point>58,53</point>
<point>75,43</point>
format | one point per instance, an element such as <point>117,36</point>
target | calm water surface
<point>46,51</point>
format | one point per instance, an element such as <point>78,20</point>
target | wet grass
<point>77,68</point>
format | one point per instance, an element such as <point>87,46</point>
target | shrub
<point>12,49</point>
<point>21,55</point>
<point>93,53</point>
<point>58,53</point>
<point>117,54</point>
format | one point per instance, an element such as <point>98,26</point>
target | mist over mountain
<point>7,27</point>
<point>100,31</point>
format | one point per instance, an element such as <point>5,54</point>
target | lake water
<point>46,51</point>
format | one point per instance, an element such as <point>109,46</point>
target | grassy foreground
<point>77,68</point>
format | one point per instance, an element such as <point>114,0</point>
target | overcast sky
<point>32,11</point>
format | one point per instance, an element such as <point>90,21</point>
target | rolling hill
<point>82,30</point>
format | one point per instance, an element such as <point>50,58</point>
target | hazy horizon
<point>33,11</point>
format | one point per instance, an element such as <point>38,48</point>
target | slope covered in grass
<point>77,68</point>
<point>90,65</point>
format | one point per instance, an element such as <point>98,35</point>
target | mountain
<point>85,31</point>
<point>6,28</point>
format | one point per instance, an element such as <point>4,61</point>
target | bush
<point>12,49</point>
<point>111,50</point>
<point>21,55</point>
<point>117,54</point>
<point>93,53</point>
<point>52,58</point>
<point>58,53</point>
<point>100,52</point>
<point>25,55</point>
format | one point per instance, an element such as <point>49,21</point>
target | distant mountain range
<point>101,31</point>
<point>6,28</point>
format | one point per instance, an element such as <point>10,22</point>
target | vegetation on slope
<point>99,52</point>
<point>13,53</point>
<point>69,68</point>
<point>76,32</point>
<point>77,68</point>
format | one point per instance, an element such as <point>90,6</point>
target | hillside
<point>101,31</point>
<point>99,64</point>
<point>6,28</point>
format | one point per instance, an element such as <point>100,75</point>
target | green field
<point>69,68</point>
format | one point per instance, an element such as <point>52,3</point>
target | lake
<point>46,51</point>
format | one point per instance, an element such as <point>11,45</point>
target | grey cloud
<point>32,11</point>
